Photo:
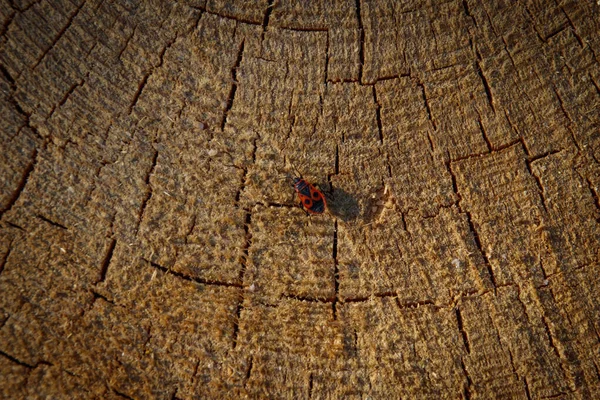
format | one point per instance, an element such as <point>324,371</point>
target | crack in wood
<point>336,164</point>
<point>70,92</point>
<point>6,25</point>
<point>4,259</point>
<point>121,394</point>
<point>106,261</point>
<point>67,95</point>
<point>404,226</point>
<point>276,205</point>
<point>247,241</point>
<point>234,85</point>
<point>548,333</point>
<point>92,47</point>
<point>533,24</point>
<point>27,6</point>
<point>336,271</point>
<point>540,187</point>
<point>204,10</point>
<point>493,151</point>
<point>97,295</point>
<point>243,266</point>
<point>326,63</point>
<point>594,194</point>
<point>510,355</point>
<point>336,167</point>
<point>463,332</point>
<point>309,299</point>
<point>378,115</point>
<point>512,125</point>
<point>485,137</point>
<point>361,48</point>
<point>594,84</point>
<point>559,395</point>
<point>4,321</point>
<point>477,241</point>
<point>244,176</point>
<point>138,92</point>
<point>430,140</point>
<point>188,278</point>
<point>544,274</point>
<point>486,85</point>
<point>526,385</point>
<point>147,75</point>
<point>562,105</point>
<point>12,224</point>
<point>191,229</point>
<point>468,12</point>
<point>49,221</point>
<point>443,67</point>
<point>299,29</point>
<point>373,82</point>
<point>597,369</point>
<point>454,185</point>
<point>23,363</point>
<point>59,35</point>
<point>21,186</point>
<point>196,25</point>
<point>426,103</point>
<point>236,322</point>
<point>149,191</point>
<point>196,365</point>
<point>264,23</point>
<point>413,304</point>
<point>289,111</point>
<point>249,371</point>
<point>388,167</point>
<point>550,337</point>
<point>509,54</point>
<point>511,144</point>
<point>266,17</point>
<point>468,383</point>
<point>542,155</point>
<point>574,30</point>
<point>557,32</point>
<point>9,79</point>
<point>148,335</point>
<point>126,44</point>
<point>363,299</point>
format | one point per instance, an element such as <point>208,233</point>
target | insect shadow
<point>342,204</point>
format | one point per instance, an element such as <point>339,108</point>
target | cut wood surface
<point>151,242</point>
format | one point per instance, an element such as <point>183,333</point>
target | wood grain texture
<point>151,244</point>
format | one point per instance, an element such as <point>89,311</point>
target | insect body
<point>312,199</point>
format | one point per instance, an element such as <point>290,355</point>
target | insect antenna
<point>295,169</point>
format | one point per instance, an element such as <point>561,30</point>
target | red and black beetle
<point>312,199</point>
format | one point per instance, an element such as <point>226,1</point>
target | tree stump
<point>152,245</point>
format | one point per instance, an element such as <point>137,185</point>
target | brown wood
<point>150,241</point>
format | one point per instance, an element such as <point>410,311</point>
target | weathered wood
<point>150,241</point>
